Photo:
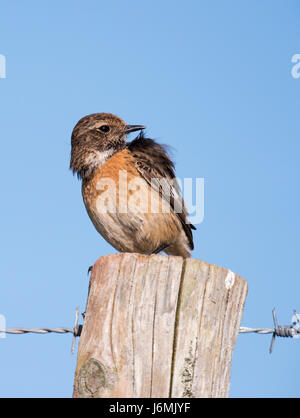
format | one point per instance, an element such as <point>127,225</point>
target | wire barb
<point>288,331</point>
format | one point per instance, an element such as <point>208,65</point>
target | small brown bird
<point>129,189</point>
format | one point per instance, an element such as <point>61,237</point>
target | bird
<point>129,189</point>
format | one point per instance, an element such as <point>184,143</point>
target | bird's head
<point>95,138</point>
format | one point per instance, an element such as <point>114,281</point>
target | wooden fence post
<point>157,327</point>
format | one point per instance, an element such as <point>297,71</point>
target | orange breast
<point>119,202</point>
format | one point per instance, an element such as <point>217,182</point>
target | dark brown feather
<point>153,161</point>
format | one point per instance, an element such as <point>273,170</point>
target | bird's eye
<point>104,128</point>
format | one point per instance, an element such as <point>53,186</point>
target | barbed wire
<point>288,331</point>
<point>76,331</point>
<point>37,330</point>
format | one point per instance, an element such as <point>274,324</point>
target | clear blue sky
<point>212,79</point>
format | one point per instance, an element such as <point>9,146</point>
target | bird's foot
<point>161,248</point>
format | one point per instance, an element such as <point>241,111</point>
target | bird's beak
<point>133,128</point>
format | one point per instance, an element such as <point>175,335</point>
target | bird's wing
<point>156,167</point>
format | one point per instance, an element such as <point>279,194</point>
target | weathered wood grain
<point>158,326</point>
